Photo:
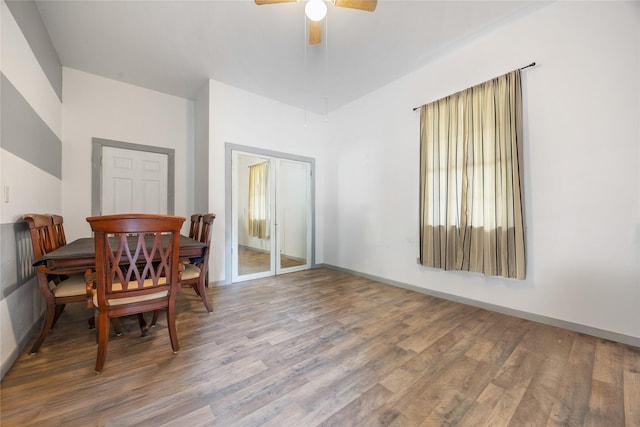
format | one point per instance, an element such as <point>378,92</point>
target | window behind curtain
<point>470,187</point>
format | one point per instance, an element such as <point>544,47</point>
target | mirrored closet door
<point>271,215</point>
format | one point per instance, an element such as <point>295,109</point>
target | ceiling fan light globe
<point>315,10</point>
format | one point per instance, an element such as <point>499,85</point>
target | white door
<point>133,181</point>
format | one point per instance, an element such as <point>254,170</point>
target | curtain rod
<point>533,64</point>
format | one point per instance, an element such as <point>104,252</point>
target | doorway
<point>271,211</point>
<point>130,178</point>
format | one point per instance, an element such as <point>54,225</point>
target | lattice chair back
<point>137,270</point>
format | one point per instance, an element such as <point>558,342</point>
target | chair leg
<point>102,328</point>
<point>143,325</point>
<point>115,324</point>
<point>171,323</point>
<point>58,312</point>
<point>95,324</point>
<point>196,289</point>
<point>46,327</point>
<point>154,319</point>
<point>203,295</point>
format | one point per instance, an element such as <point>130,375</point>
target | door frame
<point>96,170</point>
<point>229,148</point>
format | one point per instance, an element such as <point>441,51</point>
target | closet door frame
<point>229,149</point>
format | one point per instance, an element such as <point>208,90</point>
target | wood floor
<point>321,347</point>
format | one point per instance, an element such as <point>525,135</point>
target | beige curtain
<point>259,213</point>
<point>471,214</point>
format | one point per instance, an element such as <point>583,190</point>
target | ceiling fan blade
<point>368,5</point>
<point>315,32</point>
<point>261,2</point>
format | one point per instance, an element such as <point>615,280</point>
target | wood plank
<point>359,411</point>
<point>572,404</point>
<point>631,385</point>
<point>536,403</point>
<point>631,398</point>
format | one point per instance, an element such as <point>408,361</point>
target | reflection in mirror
<point>254,215</point>
<point>292,208</point>
<point>271,215</point>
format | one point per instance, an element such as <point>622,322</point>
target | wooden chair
<point>194,228</point>
<point>137,270</point>
<point>195,273</point>
<point>58,288</point>
<point>58,230</point>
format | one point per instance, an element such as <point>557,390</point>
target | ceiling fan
<point>316,10</point>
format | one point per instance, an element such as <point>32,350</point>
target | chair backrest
<point>194,228</point>
<point>207,228</point>
<point>43,238</point>
<point>136,254</point>
<point>205,237</point>
<point>58,230</point>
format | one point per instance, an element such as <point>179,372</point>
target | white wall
<point>581,167</point>
<point>242,118</point>
<point>98,107</point>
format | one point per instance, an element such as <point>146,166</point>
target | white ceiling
<point>175,46</point>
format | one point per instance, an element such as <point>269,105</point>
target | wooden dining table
<point>80,254</point>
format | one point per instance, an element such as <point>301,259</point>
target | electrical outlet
<point>5,193</point>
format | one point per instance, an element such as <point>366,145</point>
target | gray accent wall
<point>30,21</point>
<point>16,264</point>
<point>201,152</point>
<point>25,134</point>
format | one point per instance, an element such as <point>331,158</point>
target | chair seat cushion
<point>74,285</point>
<point>117,286</point>
<point>130,300</point>
<point>190,272</point>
